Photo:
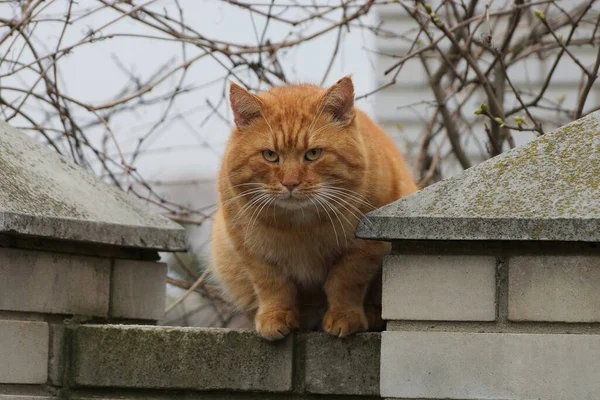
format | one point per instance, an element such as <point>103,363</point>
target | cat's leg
<point>346,287</point>
<point>277,313</point>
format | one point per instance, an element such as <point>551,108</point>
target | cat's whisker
<point>345,190</point>
<point>248,192</point>
<point>257,205</point>
<point>335,213</point>
<point>348,200</point>
<point>316,208</point>
<point>246,184</point>
<point>351,194</point>
<point>330,198</point>
<point>256,214</point>
<point>252,189</point>
<point>352,209</point>
<point>345,204</point>
<point>247,206</point>
<point>243,211</point>
<point>348,196</point>
<point>270,200</point>
<point>318,200</point>
<point>361,217</point>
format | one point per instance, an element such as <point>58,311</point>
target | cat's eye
<point>312,154</point>
<point>270,156</point>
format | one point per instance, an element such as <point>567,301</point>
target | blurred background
<point>136,90</point>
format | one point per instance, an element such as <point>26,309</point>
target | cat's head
<point>295,147</point>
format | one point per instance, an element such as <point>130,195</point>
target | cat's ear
<point>339,101</point>
<point>246,106</point>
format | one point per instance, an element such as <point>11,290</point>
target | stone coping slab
<point>548,189</point>
<point>202,359</point>
<point>44,195</point>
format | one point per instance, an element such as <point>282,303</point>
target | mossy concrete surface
<point>348,366</point>
<point>548,189</point>
<point>170,395</point>
<point>42,194</point>
<point>179,358</point>
<point>162,358</point>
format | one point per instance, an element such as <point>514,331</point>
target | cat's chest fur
<point>306,255</point>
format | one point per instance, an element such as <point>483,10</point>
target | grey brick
<point>23,352</point>
<point>349,366</point>
<point>443,288</point>
<point>56,354</point>
<point>554,288</point>
<point>490,366</point>
<point>53,282</point>
<point>138,290</point>
<point>179,358</point>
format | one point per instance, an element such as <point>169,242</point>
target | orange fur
<point>287,226</point>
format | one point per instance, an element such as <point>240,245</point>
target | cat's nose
<point>290,185</point>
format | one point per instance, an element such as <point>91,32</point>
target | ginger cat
<point>301,167</point>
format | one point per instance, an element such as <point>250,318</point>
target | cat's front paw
<point>276,324</point>
<point>344,322</point>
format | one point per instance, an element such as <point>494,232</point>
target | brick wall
<point>59,339</point>
<point>492,321</point>
<point>466,320</point>
<point>46,286</point>
<point>102,361</point>
<point>222,361</point>
<point>46,282</point>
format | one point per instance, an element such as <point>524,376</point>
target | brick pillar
<point>45,286</point>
